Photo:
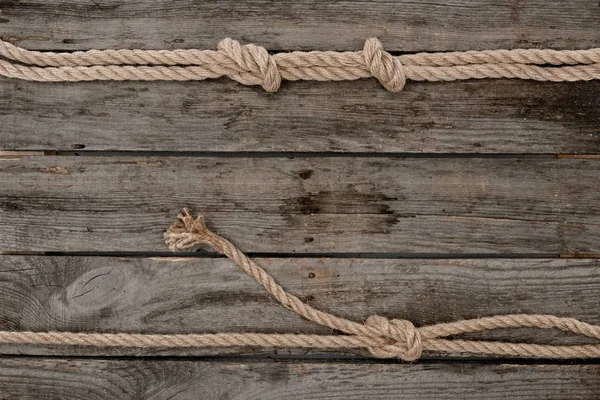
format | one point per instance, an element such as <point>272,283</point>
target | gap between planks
<point>209,254</point>
<point>16,154</point>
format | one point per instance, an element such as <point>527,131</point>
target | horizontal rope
<point>382,337</point>
<point>253,65</point>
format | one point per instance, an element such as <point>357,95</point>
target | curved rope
<point>384,338</point>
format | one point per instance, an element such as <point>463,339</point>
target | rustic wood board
<point>472,117</point>
<point>403,25</point>
<point>491,116</point>
<point>429,172</point>
<point>209,295</point>
<point>528,206</point>
<point>34,378</point>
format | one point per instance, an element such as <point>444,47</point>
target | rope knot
<point>189,232</point>
<point>404,339</point>
<point>386,68</point>
<point>258,66</point>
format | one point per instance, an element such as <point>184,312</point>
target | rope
<point>253,65</point>
<point>382,337</point>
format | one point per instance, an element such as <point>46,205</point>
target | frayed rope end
<point>188,232</point>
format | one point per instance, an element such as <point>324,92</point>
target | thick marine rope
<point>253,65</point>
<point>382,337</point>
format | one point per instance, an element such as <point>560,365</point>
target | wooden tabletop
<point>442,202</point>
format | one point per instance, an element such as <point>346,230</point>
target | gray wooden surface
<point>208,295</point>
<point>47,378</point>
<point>485,117</point>
<point>302,25</point>
<point>445,201</point>
<point>288,205</point>
<point>465,117</point>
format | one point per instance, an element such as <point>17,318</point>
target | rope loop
<point>405,339</point>
<point>386,68</point>
<point>259,66</point>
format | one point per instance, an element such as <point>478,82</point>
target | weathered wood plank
<point>305,24</point>
<point>490,117</point>
<point>33,378</point>
<point>298,205</point>
<point>494,116</point>
<point>207,295</point>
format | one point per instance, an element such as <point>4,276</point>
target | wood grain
<point>491,116</point>
<point>350,205</point>
<point>305,205</point>
<point>467,117</point>
<point>403,25</point>
<point>208,295</point>
<point>34,378</point>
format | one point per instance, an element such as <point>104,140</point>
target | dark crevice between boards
<point>201,253</point>
<point>15,40</point>
<point>291,155</point>
<point>266,154</point>
<point>316,358</point>
<point>16,154</point>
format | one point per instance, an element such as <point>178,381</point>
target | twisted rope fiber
<point>253,65</point>
<point>384,338</point>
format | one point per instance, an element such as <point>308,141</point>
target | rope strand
<point>253,65</point>
<point>382,337</point>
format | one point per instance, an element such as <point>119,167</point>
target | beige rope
<point>384,338</point>
<point>252,65</point>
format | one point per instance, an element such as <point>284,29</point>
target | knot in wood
<point>258,65</point>
<point>404,339</point>
<point>386,68</point>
